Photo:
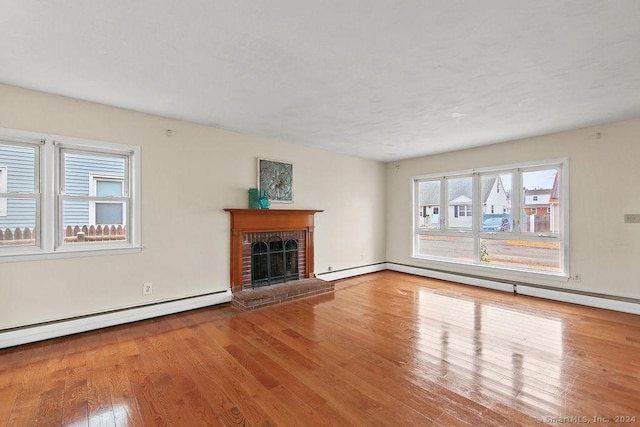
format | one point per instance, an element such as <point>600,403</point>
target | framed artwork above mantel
<point>276,178</point>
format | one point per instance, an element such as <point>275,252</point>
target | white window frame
<point>517,208</point>
<point>49,196</point>
<point>35,143</point>
<point>3,190</point>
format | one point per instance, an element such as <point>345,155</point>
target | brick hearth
<point>252,299</point>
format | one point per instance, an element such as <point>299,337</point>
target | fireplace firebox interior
<point>274,261</point>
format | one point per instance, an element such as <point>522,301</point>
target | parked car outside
<point>496,223</point>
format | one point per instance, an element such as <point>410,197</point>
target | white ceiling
<point>377,79</point>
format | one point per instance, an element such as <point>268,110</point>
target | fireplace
<point>270,246</point>
<point>274,258</point>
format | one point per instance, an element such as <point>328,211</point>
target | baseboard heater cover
<point>35,333</point>
<point>61,328</point>
<point>598,301</point>
<point>351,272</point>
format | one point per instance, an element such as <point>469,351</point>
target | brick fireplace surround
<point>246,223</point>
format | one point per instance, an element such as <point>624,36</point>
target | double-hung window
<point>20,198</point>
<point>94,196</point>
<point>67,197</point>
<point>3,190</point>
<point>110,210</point>
<point>511,218</point>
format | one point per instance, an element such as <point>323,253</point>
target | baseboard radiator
<point>609,302</point>
<point>39,332</point>
<point>54,329</point>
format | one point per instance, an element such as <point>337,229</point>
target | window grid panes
<point>59,197</point>
<point>94,200</point>
<point>504,226</point>
<point>19,197</point>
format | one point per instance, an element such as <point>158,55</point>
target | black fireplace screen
<point>274,261</point>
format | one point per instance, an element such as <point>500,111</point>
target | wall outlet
<point>330,268</point>
<point>576,277</point>
<point>147,288</point>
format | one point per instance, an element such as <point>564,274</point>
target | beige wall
<point>187,179</point>
<point>604,176</point>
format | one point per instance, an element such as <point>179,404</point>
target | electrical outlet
<point>576,277</point>
<point>147,288</point>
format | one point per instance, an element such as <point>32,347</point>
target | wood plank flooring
<point>385,349</point>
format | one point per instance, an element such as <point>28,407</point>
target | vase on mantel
<point>254,198</point>
<point>264,201</point>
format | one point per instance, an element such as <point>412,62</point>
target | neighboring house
<point>536,202</point>
<point>554,205</point>
<point>17,176</point>
<point>93,176</point>
<point>85,175</point>
<point>429,194</point>
<point>537,210</point>
<point>494,198</point>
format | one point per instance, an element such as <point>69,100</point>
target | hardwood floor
<point>385,349</point>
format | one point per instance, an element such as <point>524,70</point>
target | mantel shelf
<point>241,211</point>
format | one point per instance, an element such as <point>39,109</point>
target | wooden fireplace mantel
<point>268,220</point>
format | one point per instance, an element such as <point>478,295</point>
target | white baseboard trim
<point>612,303</point>
<point>73,326</point>
<point>581,299</point>
<point>41,332</point>
<point>350,272</point>
<point>451,277</point>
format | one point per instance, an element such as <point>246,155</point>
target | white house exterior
<point>495,200</point>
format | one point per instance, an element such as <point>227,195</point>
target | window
<point>67,197</point>
<point>107,211</point>
<point>19,194</point>
<point>3,189</point>
<point>93,196</point>
<point>430,201</point>
<point>487,222</point>
<point>462,210</point>
<point>459,196</point>
<point>535,198</point>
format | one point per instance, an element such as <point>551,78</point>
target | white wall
<point>604,172</point>
<point>188,178</point>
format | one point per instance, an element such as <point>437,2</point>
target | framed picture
<point>276,178</point>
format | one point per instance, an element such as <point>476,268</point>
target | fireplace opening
<point>274,261</point>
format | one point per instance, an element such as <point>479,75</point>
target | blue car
<point>496,223</point>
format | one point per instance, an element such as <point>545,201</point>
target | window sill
<point>38,255</point>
